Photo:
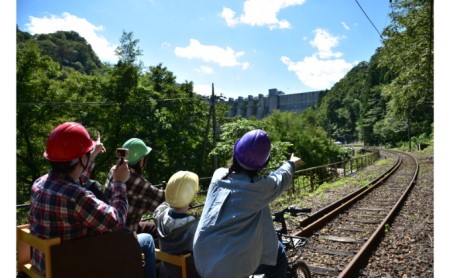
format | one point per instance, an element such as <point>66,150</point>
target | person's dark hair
<point>237,168</point>
<point>137,168</point>
<point>63,167</point>
<point>66,167</point>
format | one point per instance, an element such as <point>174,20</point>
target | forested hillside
<point>69,49</point>
<point>387,100</point>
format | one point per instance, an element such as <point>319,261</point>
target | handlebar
<point>293,211</point>
<point>279,217</point>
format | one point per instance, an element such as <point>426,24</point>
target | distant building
<point>262,106</point>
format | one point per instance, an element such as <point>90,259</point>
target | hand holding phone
<point>122,154</point>
<point>121,171</point>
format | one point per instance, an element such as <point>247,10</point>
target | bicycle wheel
<point>299,270</point>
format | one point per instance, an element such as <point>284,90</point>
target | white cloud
<point>228,15</point>
<point>224,57</point>
<point>346,27</point>
<point>245,65</point>
<point>321,70</point>
<point>68,22</point>
<point>317,73</point>
<point>324,42</point>
<point>261,13</point>
<point>205,70</point>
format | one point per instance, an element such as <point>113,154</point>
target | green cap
<point>136,150</point>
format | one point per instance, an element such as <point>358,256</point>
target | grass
<point>353,181</point>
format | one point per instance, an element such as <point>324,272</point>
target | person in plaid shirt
<point>59,205</point>
<point>142,195</point>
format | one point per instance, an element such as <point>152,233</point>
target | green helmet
<point>136,150</point>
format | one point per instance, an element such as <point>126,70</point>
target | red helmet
<point>67,142</point>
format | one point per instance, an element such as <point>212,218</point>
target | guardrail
<point>311,178</point>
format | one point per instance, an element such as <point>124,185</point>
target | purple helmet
<point>252,151</point>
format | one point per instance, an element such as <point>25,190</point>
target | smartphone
<point>122,154</point>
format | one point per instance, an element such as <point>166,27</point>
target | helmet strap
<point>139,166</point>
<point>88,155</point>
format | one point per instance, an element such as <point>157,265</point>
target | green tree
<point>123,84</point>
<point>35,78</point>
<point>408,52</point>
<point>176,123</point>
<point>305,136</point>
<point>232,130</point>
<point>163,81</point>
<point>340,109</point>
<point>46,97</point>
<point>69,49</point>
<point>373,102</point>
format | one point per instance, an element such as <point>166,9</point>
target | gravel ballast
<point>407,249</point>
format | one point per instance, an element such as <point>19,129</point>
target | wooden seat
<point>114,254</point>
<point>178,260</point>
<point>25,241</point>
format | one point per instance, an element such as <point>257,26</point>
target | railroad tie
<point>342,239</point>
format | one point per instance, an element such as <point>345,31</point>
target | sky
<point>243,47</point>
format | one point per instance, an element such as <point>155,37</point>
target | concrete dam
<point>262,106</point>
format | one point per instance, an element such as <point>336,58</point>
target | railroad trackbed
<point>343,235</point>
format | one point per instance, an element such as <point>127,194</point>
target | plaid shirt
<point>60,207</point>
<point>142,197</point>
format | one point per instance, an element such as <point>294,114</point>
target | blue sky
<point>244,47</point>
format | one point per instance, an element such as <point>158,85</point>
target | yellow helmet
<point>181,189</point>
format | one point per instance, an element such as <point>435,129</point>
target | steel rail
<point>329,208</point>
<point>321,217</point>
<point>352,269</point>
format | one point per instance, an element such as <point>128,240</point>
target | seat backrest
<point>25,240</point>
<point>178,260</point>
<point>112,255</point>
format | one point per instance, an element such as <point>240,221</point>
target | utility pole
<point>212,115</point>
<point>214,124</point>
<point>205,140</point>
<point>408,124</point>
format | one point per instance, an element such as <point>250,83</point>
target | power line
<point>369,19</point>
<point>106,103</point>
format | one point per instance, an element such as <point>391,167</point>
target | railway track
<point>342,235</point>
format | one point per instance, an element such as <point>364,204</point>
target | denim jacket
<point>235,233</point>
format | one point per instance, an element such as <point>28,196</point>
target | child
<point>175,227</point>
